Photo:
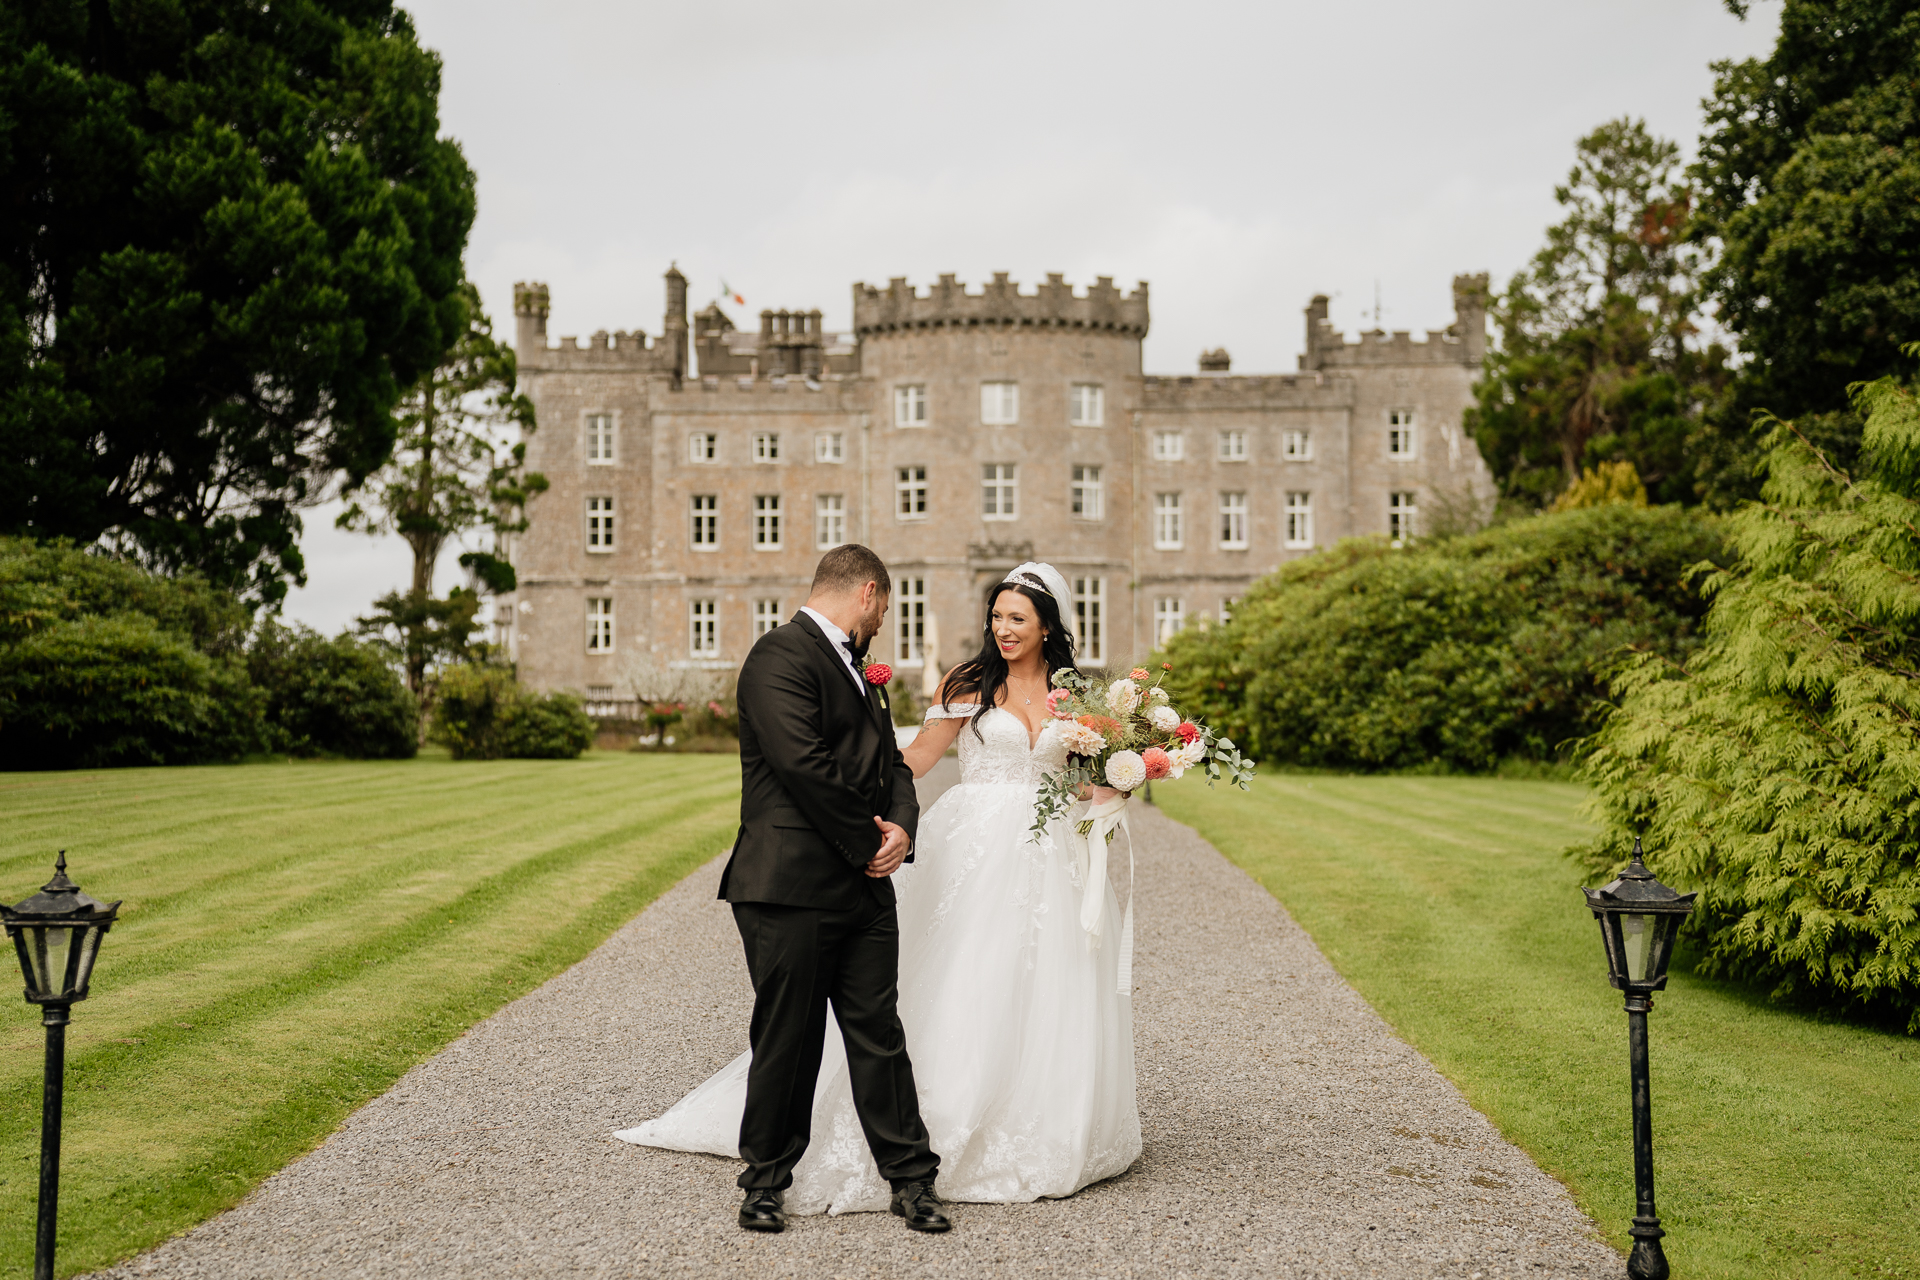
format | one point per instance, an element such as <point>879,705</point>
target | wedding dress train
<point>1021,1040</point>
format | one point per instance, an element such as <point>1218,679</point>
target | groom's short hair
<point>849,567</point>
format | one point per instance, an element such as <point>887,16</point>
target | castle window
<point>766,522</point>
<point>703,446</point>
<point>1400,433</point>
<point>1086,404</point>
<point>1000,403</point>
<point>998,491</point>
<point>1169,446</point>
<point>910,406</point>
<point>828,446</point>
<point>600,439</point>
<point>599,624</point>
<point>829,521</point>
<point>910,631</point>
<point>703,628</point>
<point>1296,446</point>
<point>910,489</point>
<point>1167,531</point>
<point>705,512</point>
<point>1169,616</point>
<point>1088,499</point>
<point>1400,515</point>
<point>766,446</point>
<point>1089,616</point>
<point>1233,522</point>
<point>1299,520</point>
<point>1233,446</point>
<point>600,525</point>
<point>766,616</point>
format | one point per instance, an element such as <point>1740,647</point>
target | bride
<point>1022,1042</point>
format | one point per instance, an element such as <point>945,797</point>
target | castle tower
<point>1470,315</point>
<point>673,329</point>
<point>530,307</point>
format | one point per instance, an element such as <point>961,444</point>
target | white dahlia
<point>1123,696</point>
<point>1080,740</point>
<point>1158,694</point>
<point>1165,719</point>
<point>1125,770</point>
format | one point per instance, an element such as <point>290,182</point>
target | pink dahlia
<point>1159,763</point>
<point>1057,704</point>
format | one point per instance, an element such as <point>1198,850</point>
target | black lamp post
<point>1639,918</point>
<point>57,932</point>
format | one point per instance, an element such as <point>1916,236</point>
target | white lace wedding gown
<point>1022,1044</point>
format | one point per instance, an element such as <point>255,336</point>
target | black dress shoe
<point>920,1207</point>
<point>764,1210</point>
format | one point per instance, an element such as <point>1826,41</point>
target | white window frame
<point>603,440</point>
<point>703,517</point>
<point>1169,520</point>
<point>1296,446</point>
<point>1087,494</point>
<point>703,628</point>
<point>1000,404</point>
<point>910,501</point>
<point>910,405</point>
<point>910,624</point>
<point>600,530</point>
<point>1169,446</point>
<point>1403,516</point>
<point>999,491</point>
<point>1086,405</point>
<point>766,446</point>
<point>1403,435</point>
<point>766,616</point>
<point>1232,446</point>
<point>1169,618</point>
<point>600,634</point>
<point>703,448</point>
<point>1226,607</point>
<point>830,447</point>
<point>1234,518</point>
<point>829,520</point>
<point>768,534</point>
<point>1298,533</point>
<point>1089,616</point>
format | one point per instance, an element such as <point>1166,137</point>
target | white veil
<point>1035,573</point>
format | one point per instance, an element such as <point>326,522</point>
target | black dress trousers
<point>802,958</point>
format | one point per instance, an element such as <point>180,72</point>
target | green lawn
<point>295,936</point>
<point>1783,1145</point>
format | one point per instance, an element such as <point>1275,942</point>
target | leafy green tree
<point>482,713</point>
<point>1598,356</point>
<point>1807,175</point>
<point>455,471</point>
<point>230,238</point>
<point>1776,769</point>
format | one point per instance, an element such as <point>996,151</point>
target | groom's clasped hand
<point>893,849</point>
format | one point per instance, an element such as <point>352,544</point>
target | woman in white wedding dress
<point>1021,1039</point>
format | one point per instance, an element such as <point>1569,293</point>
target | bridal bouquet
<point>1123,734</point>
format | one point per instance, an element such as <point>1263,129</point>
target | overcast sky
<point>1238,156</point>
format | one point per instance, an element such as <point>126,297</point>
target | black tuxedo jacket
<point>818,761</point>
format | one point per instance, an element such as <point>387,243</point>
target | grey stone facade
<point>696,476</point>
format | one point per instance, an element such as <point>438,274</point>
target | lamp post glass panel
<point>57,933</point>
<point>1639,919</point>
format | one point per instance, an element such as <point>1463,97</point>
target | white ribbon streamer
<point>1090,857</point>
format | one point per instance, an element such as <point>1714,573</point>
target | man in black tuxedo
<point>827,814</point>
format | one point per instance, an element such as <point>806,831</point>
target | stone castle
<point>697,475</point>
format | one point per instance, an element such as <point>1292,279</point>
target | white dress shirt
<point>839,639</point>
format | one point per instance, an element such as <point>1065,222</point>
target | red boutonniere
<point>877,673</point>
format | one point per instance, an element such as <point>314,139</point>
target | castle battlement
<point>1464,343</point>
<point>948,304</point>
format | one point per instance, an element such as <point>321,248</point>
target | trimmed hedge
<point>1451,654</point>
<point>1777,768</point>
<point>482,713</point>
<point>332,697</point>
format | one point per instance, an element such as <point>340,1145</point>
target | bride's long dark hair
<point>985,674</point>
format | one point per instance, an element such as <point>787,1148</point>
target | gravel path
<point>1288,1133</point>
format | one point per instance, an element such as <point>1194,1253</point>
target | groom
<point>827,813</point>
